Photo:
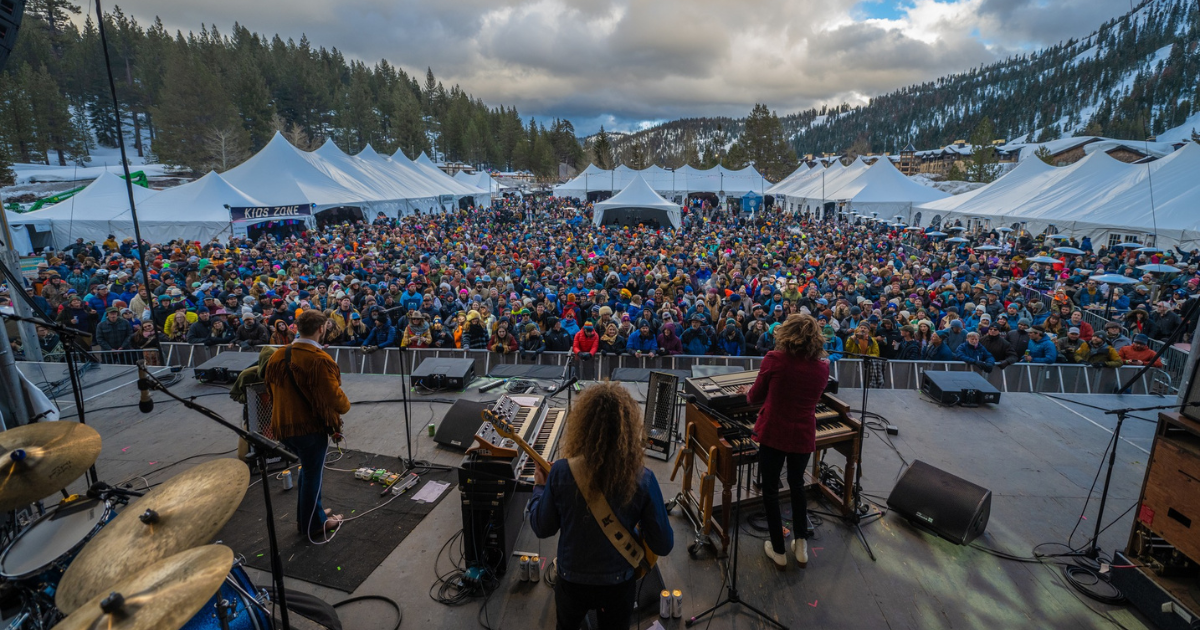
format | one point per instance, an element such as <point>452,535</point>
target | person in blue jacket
<point>642,341</point>
<point>1041,349</point>
<point>973,353</point>
<point>833,344</point>
<point>383,335</point>
<point>937,349</point>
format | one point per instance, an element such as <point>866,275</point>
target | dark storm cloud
<point>635,60</point>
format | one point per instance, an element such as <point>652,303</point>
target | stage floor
<point>1038,455</point>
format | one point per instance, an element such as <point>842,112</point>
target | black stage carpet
<point>525,370</point>
<point>361,544</point>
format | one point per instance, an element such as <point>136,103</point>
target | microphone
<point>146,404</point>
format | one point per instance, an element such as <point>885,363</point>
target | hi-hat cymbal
<point>185,511</point>
<point>37,460</point>
<point>163,596</point>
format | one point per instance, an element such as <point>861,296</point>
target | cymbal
<point>185,511</point>
<point>37,460</point>
<point>163,596</point>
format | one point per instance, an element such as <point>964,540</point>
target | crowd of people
<point>553,282</point>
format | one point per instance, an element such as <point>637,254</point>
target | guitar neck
<point>537,459</point>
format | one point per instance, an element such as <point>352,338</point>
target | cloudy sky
<point>626,63</point>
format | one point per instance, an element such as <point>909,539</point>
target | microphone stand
<point>69,337</point>
<point>264,447</point>
<point>856,516</point>
<point>410,464</point>
<point>731,582</point>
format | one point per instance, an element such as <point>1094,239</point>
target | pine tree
<point>983,165</point>
<point>766,145</point>
<point>193,104</point>
<point>635,157</point>
<point>602,151</point>
<point>55,126</point>
<point>1044,155</point>
<point>737,158</point>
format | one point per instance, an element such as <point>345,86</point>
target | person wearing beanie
<point>833,344</point>
<point>937,349</point>
<point>730,341</point>
<point>201,330</point>
<point>1098,353</point>
<point>1139,352</point>
<point>475,336</point>
<point>997,344</point>
<point>534,344</point>
<point>113,332</point>
<point>557,339</point>
<point>587,341</point>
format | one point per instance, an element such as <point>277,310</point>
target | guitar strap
<point>625,544</point>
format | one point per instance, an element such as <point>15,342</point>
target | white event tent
<point>637,203</point>
<point>481,180</point>
<point>1098,196</point>
<point>100,209</point>
<point>26,231</point>
<point>457,188</point>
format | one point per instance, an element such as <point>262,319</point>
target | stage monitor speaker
<point>457,430</point>
<point>11,12</point>
<point>938,501</point>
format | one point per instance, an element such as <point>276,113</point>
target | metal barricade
<point>1057,378</point>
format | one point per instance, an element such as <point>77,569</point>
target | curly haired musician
<point>604,442</point>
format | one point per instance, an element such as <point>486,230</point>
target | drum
<point>242,601</point>
<point>49,544</point>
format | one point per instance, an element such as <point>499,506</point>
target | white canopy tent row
<point>278,183</point>
<point>877,189</point>
<point>637,204</point>
<point>1098,197</point>
<point>670,183</point>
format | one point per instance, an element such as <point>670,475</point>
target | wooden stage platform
<point>1037,454</point>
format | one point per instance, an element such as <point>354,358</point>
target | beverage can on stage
<point>535,568</point>
<point>287,480</point>
<point>677,603</point>
<point>523,569</point>
<point>665,607</point>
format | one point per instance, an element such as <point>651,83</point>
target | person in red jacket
<point>587,342</point>
<point>790,382</point>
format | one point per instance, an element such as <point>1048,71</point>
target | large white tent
<point>282,175</point>
<point>94,212</point>
<point>884,191</point>
<point>1098,196</point>
<point>459,189</point>
<point>637,203</point>
<point>198,211</point>
<point>27,232</point>
<point>481,180</point>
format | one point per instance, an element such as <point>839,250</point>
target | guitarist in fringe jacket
<point>606,440</point>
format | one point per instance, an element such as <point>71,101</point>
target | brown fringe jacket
<point>318,406</point>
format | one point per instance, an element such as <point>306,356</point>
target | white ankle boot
<point>779,559</point>
<point>800,548</point>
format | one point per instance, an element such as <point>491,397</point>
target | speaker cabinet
<point>457,430</point>
<point>942,503</point>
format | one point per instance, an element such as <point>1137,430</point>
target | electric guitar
<point>506,431</point>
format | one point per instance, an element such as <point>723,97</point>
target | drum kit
<point>100,561</point>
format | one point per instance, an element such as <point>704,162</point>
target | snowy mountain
<point>1135,76</point>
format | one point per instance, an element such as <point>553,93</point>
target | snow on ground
<point>952,187</point>
<point>1183,132</point>
<point>34,173</point>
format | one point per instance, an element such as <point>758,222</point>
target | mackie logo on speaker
<point>927,519</point>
